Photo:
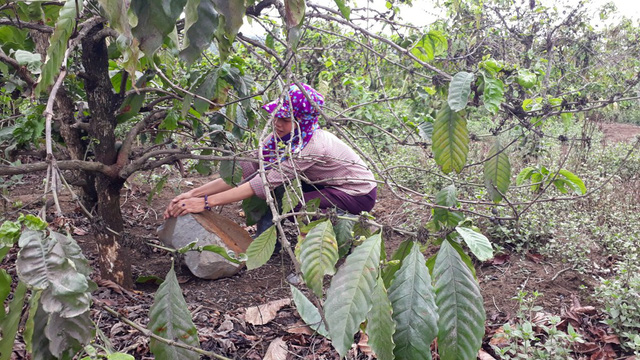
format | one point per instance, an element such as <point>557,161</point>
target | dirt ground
<point>218,306</point>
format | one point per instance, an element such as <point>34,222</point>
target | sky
<point>422,12</point>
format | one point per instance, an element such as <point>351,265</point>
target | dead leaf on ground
<point>300,328</point>
<point>110,285</point>
<point>536,258</point>
<point>277,350</point>
<point>363,345</point>
<point>483,355</point>
<point>80,231</point>
<point>587,310</point>
<point>611,339</point>
<point>499,259</point>
<point>499,339</point>
<point>585,348</point>
<point>262,314</point>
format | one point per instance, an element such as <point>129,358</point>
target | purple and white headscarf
<point>304,112</point>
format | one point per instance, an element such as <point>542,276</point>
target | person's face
<point>283,126</point>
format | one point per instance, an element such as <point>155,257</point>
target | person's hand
<point>184,206</point>
<point>183,196</point>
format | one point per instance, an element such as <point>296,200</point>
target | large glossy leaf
<point>493,94</point>
<point>261,249</point>
<point>67,336</point>
<point>380,325</point>
<point>65,26</point>
<point>477,243</point>
<point>497,172</point>
<point>294,12</point>
<point>201,22</point>
<point>574,181</point>
<point>389,271</point>
<point>156,19</point>
<point>344,235</point>
<point>524,175</point>
<point>308,312</point>
<point>460,307</point>
<point>459,90</point>
<point>431,44</point>
<point>170,319</point>
<point>29,327</point>
<point>414,308</point>
<point>450,140</point>
<point>349,296</point>
<point>43,264</point>
<point>9,322</point>
<point>318,255</point>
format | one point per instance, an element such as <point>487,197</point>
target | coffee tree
<point>97,91</point>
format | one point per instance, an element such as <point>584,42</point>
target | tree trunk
<point>113,259</point>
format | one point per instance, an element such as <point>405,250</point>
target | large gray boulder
<point>207,228</point>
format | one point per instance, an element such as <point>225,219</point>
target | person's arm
<point>197,204</point>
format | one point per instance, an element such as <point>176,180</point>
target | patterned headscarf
<point>304,112</point>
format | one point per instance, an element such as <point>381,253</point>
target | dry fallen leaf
<point>300,328</point>
<point>277,350</point>
<point>483,355</point>
<point>363,345</point>
<point>499,339</point>
<point>79,231</point>
<point>260,315</point>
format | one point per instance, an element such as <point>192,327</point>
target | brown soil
<point>218,306</point>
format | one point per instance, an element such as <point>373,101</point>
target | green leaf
<point>477,243</point>
<point>291,197</point>
<point>170,318</point>
<point>524,174</point>
<point>233,13</point>
<point>493,94</point>
<point>9,232</point>
<point>430,45</point>
<point>32,222</point>
<point>156,19</point>
<point>344,235</point>
<point>294,12</point>
<point>344,9</point>
<point>414,308</point>
<point>29,327</point>
<point>116,13</point>
<point>201,22</point>
<point>460,308</point>
<point>349,296</point>
<point>254,208</point>
<point>308,312</point>
<point>40,344</point>
<point>5,289</point>
<point>318,255</point>
<point>380,325</point>
<point>536,181</point>
<point>230,172</point>
<point>497,172</point>
<point>425,129</point>
<point>58,44</point>
<point>526,78</point>
<point>67,336</point>
<point>222,252</point>
<point>44,265</point>
<point>9,322</point>
<point>575,182</point>
<point>261,249</point>
<point>450,140</point>
<point>32,61</point>
<point>119,356</point>
<point>459,90</point>
<point>396,261</point>
<point>447,197</point>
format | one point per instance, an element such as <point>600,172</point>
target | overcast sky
<point>423,12</point>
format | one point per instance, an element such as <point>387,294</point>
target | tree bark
<point>113,259</point>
